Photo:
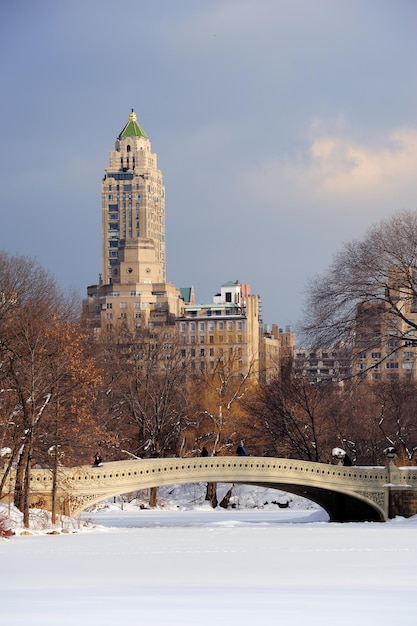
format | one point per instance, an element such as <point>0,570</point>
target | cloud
<point>340,167</point>
<point>335,170</point>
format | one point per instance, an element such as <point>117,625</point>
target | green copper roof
<point>132,128</point>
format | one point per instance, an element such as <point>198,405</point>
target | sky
<point>283,129</point>
<point>188,564</point>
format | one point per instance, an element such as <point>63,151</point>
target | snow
<point>186,563</point>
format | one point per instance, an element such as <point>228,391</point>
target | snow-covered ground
<point>188,564</point>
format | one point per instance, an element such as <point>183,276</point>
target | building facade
<point>132,200</point>
<point>132,288</point>
<point>385,343</point>
<point>133,293</point>
<point>328,364</point>
<point>230,330</point>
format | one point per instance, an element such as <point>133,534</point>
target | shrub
<point>5,526</point>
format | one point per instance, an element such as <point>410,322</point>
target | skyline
<point>282,130</point>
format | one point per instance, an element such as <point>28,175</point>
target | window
<point>202,326</point>
<point>408,366</point>
<point>183,327</point>
<point>221,325</point>
<point>109,316</point>
<point>202,352</point>
<point>192,326</point>
<point>123,305</point>
<point>392,365</point>
<point>375,355</point>
<point>109,305</point>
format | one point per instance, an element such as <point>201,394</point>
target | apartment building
<point>385,345</point>
<point>330,364</point>
<point>230,329</point>
<point>133,293</point>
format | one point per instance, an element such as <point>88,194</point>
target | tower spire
<point>132,128</point>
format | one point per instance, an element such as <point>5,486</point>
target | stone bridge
<point>346,493</point>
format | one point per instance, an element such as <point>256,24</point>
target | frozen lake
<point>212,567</point>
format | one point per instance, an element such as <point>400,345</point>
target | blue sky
<point>282,127</point>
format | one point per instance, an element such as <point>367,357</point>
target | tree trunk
<point>211,494</point>
<point>26,492</point>
<point>20,477</point>
<point>225,501</point>
<point>153,497</point>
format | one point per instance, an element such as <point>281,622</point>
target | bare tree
<point>146,400</point>
<point>376,274</point>
<point>397,418</point>
<point>219,413</point>
<point>296,416</point>
<point>41,366</point>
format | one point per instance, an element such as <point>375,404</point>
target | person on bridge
<point>204,451</point>
<point>241,450</point>
<point>98,461</point>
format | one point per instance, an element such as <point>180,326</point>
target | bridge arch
<point>347,494</point>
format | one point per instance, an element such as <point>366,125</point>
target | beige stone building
<point>385,346</point>
<point>327,364</point>
<point>132,288</point>
<point>230,329</point>
<point>133,292</point>
<point>391,352</point>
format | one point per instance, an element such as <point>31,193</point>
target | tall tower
<point>133,202</point>
<point>132,290</point>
